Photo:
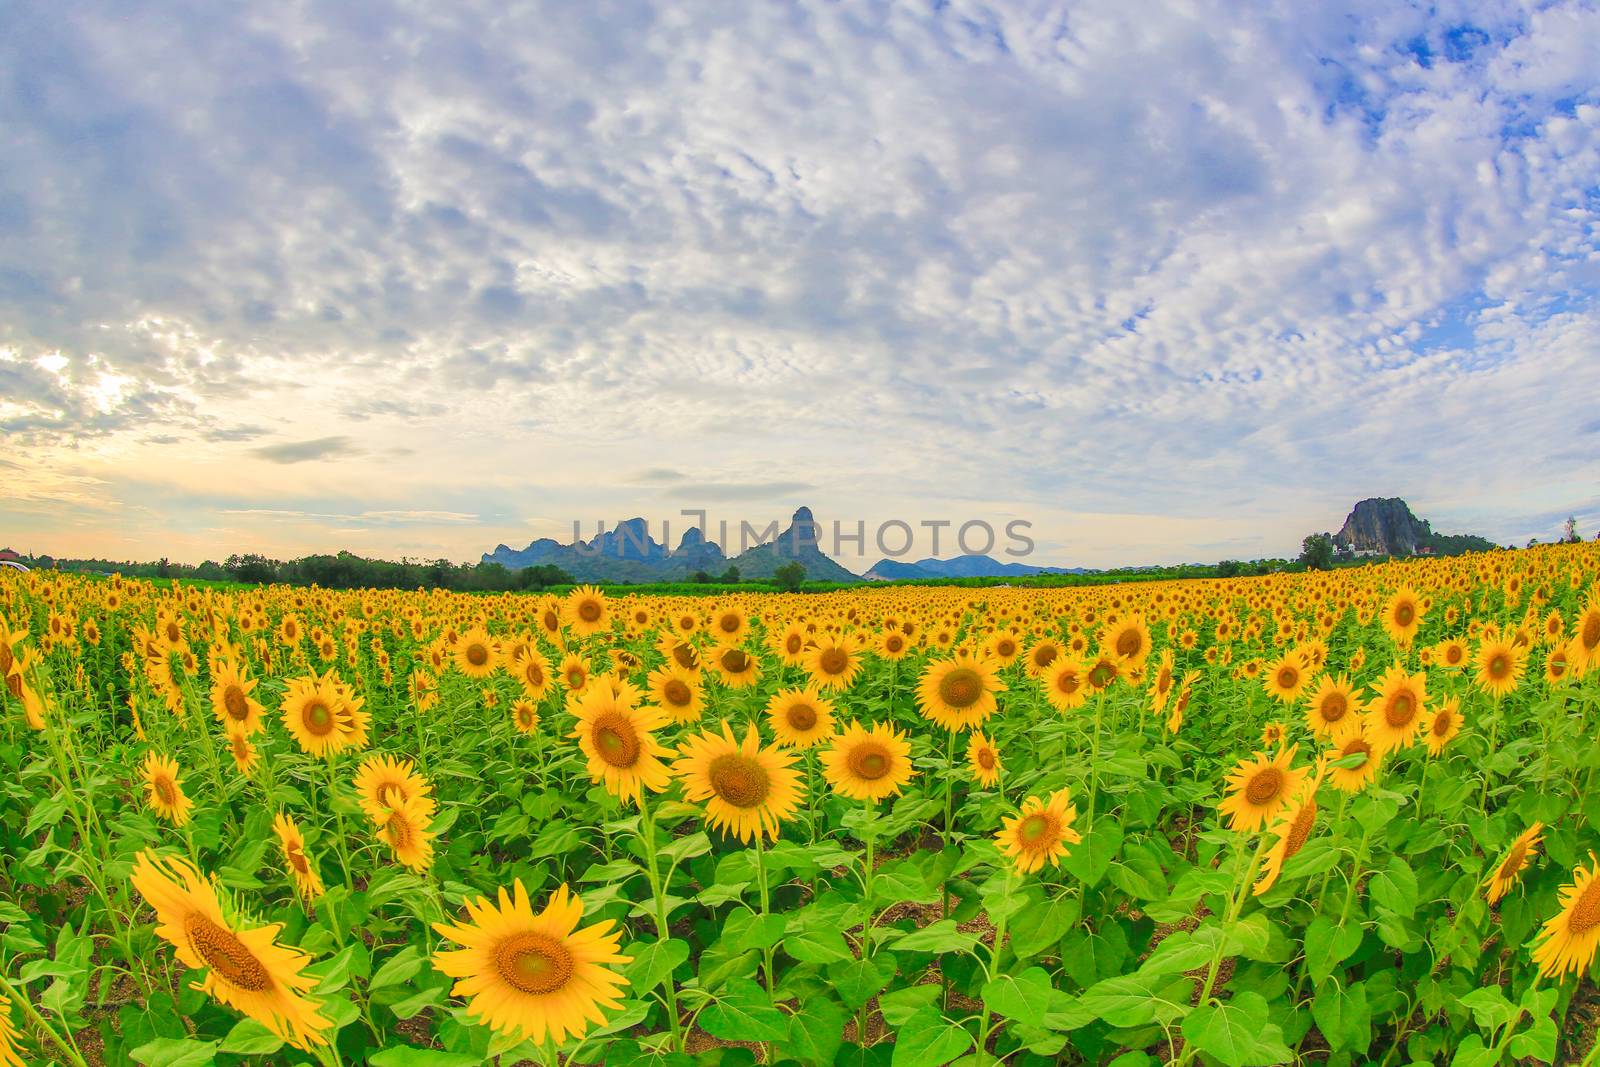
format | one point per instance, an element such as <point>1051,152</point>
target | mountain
<point>627,553</point>
<point>1385,526</point>
<point>796,544</point>
<point>970,565</point>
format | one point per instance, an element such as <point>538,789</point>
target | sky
<point>1168,282</point>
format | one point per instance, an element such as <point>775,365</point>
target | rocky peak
<point>1383,525</point>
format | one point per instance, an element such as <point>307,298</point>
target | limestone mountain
<point>969,565</point>
<point>1385,526</point>
<point>798,544</point>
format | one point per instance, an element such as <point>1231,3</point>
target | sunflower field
<point>1343,817</point>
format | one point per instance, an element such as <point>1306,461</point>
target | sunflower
<point>1003,648</point>
<point>405,828</point>
<point>9,1056</point>
<point>1508,872</point>
<point>533,977</point>
<point>575,673</point>
<point>1402,616</point>
<point>868,763</point>
<point>1040,831</point>
<point>959,693</point>
<point>1127,640</point>
<point>246,968</point>
<point>1261,787</point>
<point>1585,645</point>
<point>586,610</point>
<point>1570,939</point>
<point>736,667</point>
<point>800,718</point>
<point>1394,714</point>
<point>532,671</point>
<point>1161,682</point>
<point>678,692</point>
<point>1181,703</point>
<point>748,790</point>
<point>983,758</point>
<point>384,783</point>
<point>1041,655</point>
<point>18,687</point>
<point>729,625</point>
<point>893,645</point>
<point>163,793</point>
<point>1349,741</point>
<point>1103,673</point>
<point>1559,663</point>
<point>1292,827</point>
<point>1451,652</point>
<point>243,752</point>
<point>1272,734</point>
<point>231,701</point>
<point>1441,726</point>
<point>1331,705</point>
<point>476,654</point>
<point>1286,678</point>
<point>1499,666</point>
<point>307,882</point>
<point>1066,683</point>
<point>525,716</point>
<point>318,715</point>
<point>834,661</point>
<point>617,739</point>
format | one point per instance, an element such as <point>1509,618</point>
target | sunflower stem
<point>1235,905</point>
<point>647,836</point>
<point>39,1022</point>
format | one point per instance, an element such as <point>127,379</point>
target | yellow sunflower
<point>246,968</point>
<point>1570,938</point>
<point>1292,827</point>
<point>728,625</point>
<point>1127,640</point>
<point>1286,678</point>
<point>790,645</point>
<point>959,693</point>
<point>1508,872</point>
<point>384,783</point>
<point>525,716</point>
<point>748,789</point>
<point>736,667</point>
<point>678,692</point>
<point>618,741</point>
<point>231,702</point>
<point>532,672</point>
<point>163,793</point>
<point>406,829</point>
<point>1402,616</point>
<point>1499,666</point>
<point>243,752</point>
<point>1041,655</point>
<point>1181,703</point>
<point>1260,788</point>
<point>533,977</point>
<point>983,758</point>
<point>575,673</point>
<point>1066,683</point>
<point>868,763</point>
<point>1585,646</point>
<point>800,718</point>
<point>1039,832</point>
<point>317,715</point>
<point>893,645</point>
<point>834,661</point>
<point>307,882</point>
<point>476,653</point>
<point>9,1038</point>
<point>1394,715</point>
<point>1161,682</point>
<point>586,611</point>
<point>1350,741</point>
<point>1331,705</point>
<point>1442,725</point>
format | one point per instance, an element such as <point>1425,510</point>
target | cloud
<point>306,451</point>
<point>1194,261</point>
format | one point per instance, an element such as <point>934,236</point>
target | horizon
<point>1171,286</point>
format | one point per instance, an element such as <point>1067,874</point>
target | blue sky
<point>1168,283</point>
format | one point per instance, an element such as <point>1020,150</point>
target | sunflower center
<point>1558,664</point>
<point>801,717</point>
<point>986,759</point>
<point>729,623</point>
<point>1499,666</point>
<point>477,655</point>
<point>833,661</point>
<point>1068,682</point>
<point>1037,830</point>
<point>869,761</point>
<point>400,834</point>
<point>1102,675</point>
<point>391,795</point>
<point>793,644</point>
<point>1442,723</point>
<point>1006,648</point>
<point>1287,677</point>
<point>536,964</point>
<point>684,656</point>
<point>165,791</point>
<point>735,661</point>
<point>14,685</point>
<point>961,688</point>
<point>6,658</point>
<point>893,643</point>
<point>739,780</point>
<point>1128,643</point>
<point>297,859</point>
<point>1264,786</point>
<point>235,704</point>
<point>534,674</point>
<point>615,740</point>
<point>1404,613</point>
<point>589,611</point>
<point>318,718</point>
<point>1586,910</point>
<point>1513,863</point>
<point>226,955</point>
<point>1356,746</point>
<point>1400,710</point>
<point>1300,829</point>
<point>1044,655</point>
<point>1591,630</point>
<point>1334,707</point>
<point>552,621</point>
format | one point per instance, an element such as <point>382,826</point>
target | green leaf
<point>1089,860</point>
<point>401,967</point>
<point>1395,887</point>
<point>250,1038</point>
<point>817,945</point>
<point>654,964</point>
<point>816,1031</point>
<point>175,1052</point>
<point>1538,1042</point>
<point>858,981</point>
<point>1342,1015</point>
<point>1237,1033</point>
<point>1489,1007</point>
<point>1121,1001</point>
<point>1037,929</point>
<point>746,930</point>
<point>940,936</point>
<point>743,1012</point>
<point>409,1056</point>
<point>929,1040</point>
<point>1022,998</point>
<point>1327,946</point>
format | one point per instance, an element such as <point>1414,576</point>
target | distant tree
<point>1229,568</point>
<point>730,575</point>
<point>1316,552</point>
<point>790,577</point>
<point>700,578</point>
<point>1572,530</point>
